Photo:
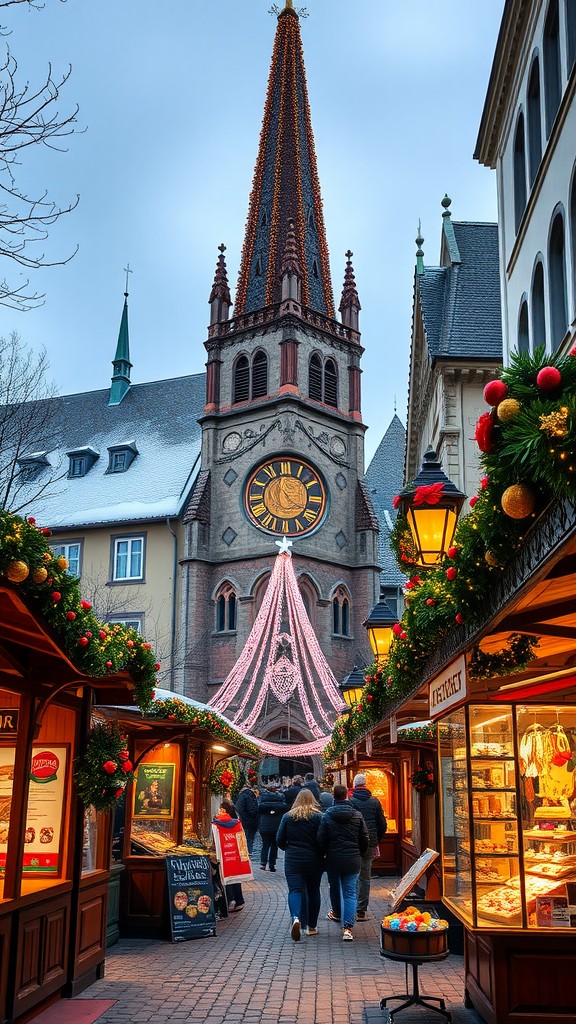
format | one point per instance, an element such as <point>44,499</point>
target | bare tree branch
<point>29,117</point>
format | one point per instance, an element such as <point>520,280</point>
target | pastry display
<point>5,805</point>
<point>500,904</point>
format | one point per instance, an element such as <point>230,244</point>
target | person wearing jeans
<point>344,838</point>
<point>371,810</point>
<point>272,807</point>
<point>303,863</point>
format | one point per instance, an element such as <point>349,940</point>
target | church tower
<point>282,432</point>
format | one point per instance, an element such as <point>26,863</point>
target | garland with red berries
<point>423,780</point>
<point>104,768</point>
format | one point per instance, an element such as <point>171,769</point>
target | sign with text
<point>44,816</point>
<point>8,721</point>
<point>154,790</point>
<point>190,898</point>
<point>448,688</point>
<point>232,853</point>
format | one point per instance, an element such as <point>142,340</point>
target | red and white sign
<point>449,688</point>
<point>232,853</point>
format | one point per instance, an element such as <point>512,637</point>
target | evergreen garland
<point>104,768</point>
<point>174,709</point>
<point>533,445</point>
<point>227,777</point>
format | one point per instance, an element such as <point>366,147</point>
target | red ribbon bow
<point>428,494</point>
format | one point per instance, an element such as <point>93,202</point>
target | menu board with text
<point>44,817</point>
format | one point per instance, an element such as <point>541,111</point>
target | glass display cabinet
<point>509,815</point>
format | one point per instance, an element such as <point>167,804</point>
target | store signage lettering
<point>8,721</point>
<point>449,688</point>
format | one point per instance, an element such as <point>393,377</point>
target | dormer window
<point>121,457</point>
<point>32,465</point>
<point>80,461</point>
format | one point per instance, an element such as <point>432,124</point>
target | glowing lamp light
<point>219,749</point>
<point>431,504</point>
<point>379,625</point>
<point>352,686</point>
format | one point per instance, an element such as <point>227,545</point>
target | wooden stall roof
<point>32,662</point>
<point>137,721</point>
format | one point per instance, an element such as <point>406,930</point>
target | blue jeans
<point>344,896</point>
<point>364,879</point>
<point>269,851</point>
<point>304,896</point>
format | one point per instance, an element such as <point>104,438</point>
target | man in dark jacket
<point>247,807</point>
<point>271,807</point>
<point>371,810</point>
<point>291,793</point>
<point>311,784</point>
<point>343,837</point>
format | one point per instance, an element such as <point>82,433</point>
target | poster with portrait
<point>154,790</point>
<point>7,755</point>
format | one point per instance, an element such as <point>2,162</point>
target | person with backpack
<point>371,810</point>
<point>344,839</point>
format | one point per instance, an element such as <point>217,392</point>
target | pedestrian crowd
<point>320,829</point>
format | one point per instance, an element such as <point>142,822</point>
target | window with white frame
<point>72,551</point>
<point>127,558</point>
<point>129,621</point>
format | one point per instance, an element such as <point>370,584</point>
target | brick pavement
<point>253,973</point>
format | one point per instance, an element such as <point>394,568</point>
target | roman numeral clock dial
<point>285,496</point>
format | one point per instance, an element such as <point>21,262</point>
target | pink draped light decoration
<point>282,662</point>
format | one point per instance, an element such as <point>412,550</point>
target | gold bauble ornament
<point>47,557</point>
<point>62,562</point>
<point>508,410</point>
<point>17,571</point>
<point>40,574</point>
<point>518,501</point>
<point>491,559</point>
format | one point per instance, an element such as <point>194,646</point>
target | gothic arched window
<point>523,332</point>
<point>315,378</point>
<point>241,391</point>
<point>260,375</point>
<point>552,81</point>
<point>534,122</point>
<point>557,282</point>
<point>330,383</point>
<point>519,172</point>
<point>341,613</point>
<point>226,609</point>
<point>538,310</point>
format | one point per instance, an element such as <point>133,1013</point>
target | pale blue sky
<point>172,96</point>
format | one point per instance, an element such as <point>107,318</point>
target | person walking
<point>247,807</point>
<point>271,808</point>
<point>326,798</point>
<point>227,821</point>
<point>292,791</point>
<point>371,810</point>
<point>311,784</point>
<point>344,838</point>
<point>303,863</point>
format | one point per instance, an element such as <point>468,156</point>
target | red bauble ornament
<point>360,707</point>
<point>484,433</point>
<point>396,501</point>
<point>102,634</point>
<point>83,641</point>
<point>453,552</point>
<point>573,350</point>
<point>430,602</point>
<point>110,767</point>
<point>147,647</point>
<point>494,392</point>
<point>89,635</point>
<point>31,520</point>
<point>484,482</point>
<point>157,666</point>
<point>473,500</point>
<point>126,766</point>
<point>56,596</point>
<point>451,573</point>
<point>369,697</point>
<point>108,664</point>
<point>46,532</point>
<point>85,605</point>
<point>123,755</point>
<point>549,378</point>
<point>153,694</point>
<point>119,791</point>
<point>71,616</point>
<point>397,629</point>
<point>459,619</point>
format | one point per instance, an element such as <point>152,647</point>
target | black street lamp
<point>379,626</point>
<point>352,686</point>
<point>431,504</point>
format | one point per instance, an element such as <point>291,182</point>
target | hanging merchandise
<point>536,751</point>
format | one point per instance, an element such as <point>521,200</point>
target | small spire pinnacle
<point>121,363</point>
<point>447,203</point>
<point>290,261</point>
<point>127,271</point>
<point>349,303</point>
<point>220,294</point>
<point>419,251</point>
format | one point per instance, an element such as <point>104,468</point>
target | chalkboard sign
<point>191,897</point>
<point>413,875</point>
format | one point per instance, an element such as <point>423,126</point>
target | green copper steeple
<point>121,362</point>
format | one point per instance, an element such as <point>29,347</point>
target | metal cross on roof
<point>284,546</point>
<point>127,271</point>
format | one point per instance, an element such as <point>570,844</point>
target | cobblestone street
<point>253,973</point>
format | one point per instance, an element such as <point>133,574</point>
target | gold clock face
<point>285,496</point>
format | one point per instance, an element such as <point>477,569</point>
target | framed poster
<point>154,790</point>
<point>412,876</point>
<point>7,755</point>
<point>45,813</point>
<point>191,897</point>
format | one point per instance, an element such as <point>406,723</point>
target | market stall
<point>180,749</point>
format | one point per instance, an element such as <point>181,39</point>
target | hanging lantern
<point>379,625</point>
<point>431,504</point>
<point>352,686</point>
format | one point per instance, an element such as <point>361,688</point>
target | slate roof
<point>160,418</point>
<point>456,299</point>
<point>384,478</point>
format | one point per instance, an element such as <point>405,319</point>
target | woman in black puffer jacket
<point>271,807</point>
<point>303,863</point>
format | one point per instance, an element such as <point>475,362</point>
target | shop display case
<point>508,823</point>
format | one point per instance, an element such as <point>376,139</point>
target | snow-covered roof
<point>160,418</point>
